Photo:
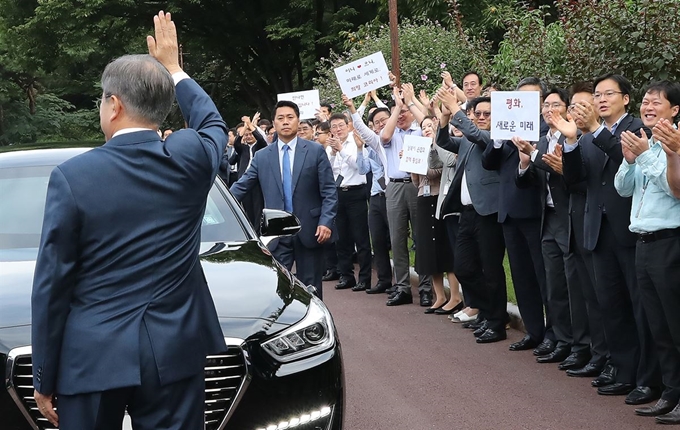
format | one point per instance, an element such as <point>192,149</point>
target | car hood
<point>252,292</point>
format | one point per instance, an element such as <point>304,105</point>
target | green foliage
<point>426,50</point>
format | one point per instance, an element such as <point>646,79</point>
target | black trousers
<point>380,237</point>
<point>352,223</point>
<point>555,249</point>
<point>523,241</point>
<point>152,406</point>
<point>658,275</point>
<point>330,256</point>
<point>585,309</point>
<point>623,315</point>
<point>478,264</point>
<point>308,261</point>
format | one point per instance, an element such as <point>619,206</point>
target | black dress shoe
<point>662,407</point>
<point>401,298</point>
<point>673,417</point>
<point>491,335</point>
<point>432,310</point>
<point>330,275</point>
<point>526,343</point>
<point>361,286</point>
<point>558,355</point>
<point>459,307</point>
<point>480,331</point>
<point>391,290</point>
<point>616,389</point>
<point>642,395</point>
<point>425,298</point>
<point>378,289</point>
<point>575,360</point>
<point>589,370</point>
<point>545,348</point>
<point>474,325</point>
<point>607,376</point>
<point>345,283</point>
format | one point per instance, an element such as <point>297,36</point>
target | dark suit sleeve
<point>260,142</point>
<point>611,144</point>
<point>54,281</point>
<point>329,193</point>
<point>573,166</point>
<point>529,178</point>
<point>251,177</point>
<point>447,142</point>
<point>234,157</point>
<point>470,130</point>
<point>492,158</point>
<point>202,115</point>
<point>238,144</point>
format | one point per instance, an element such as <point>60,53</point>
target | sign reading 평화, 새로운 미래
<point>363,75</point>
<point>515,113</point>
<point>307,101</point>
<point>416,151</point>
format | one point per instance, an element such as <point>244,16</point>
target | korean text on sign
<point>363,75</point>
<point>515,113</point>
<point>416,150</point>
<point>307,101</point>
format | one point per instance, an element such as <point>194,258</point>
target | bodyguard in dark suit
<point>300,183</point>
<point>122,315</point>
<point>480,249</point>
<point>519,212</point>
<point>596,158</point>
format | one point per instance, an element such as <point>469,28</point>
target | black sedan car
<point>283,366</point>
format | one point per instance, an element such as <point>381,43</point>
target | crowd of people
<point>589,217</point>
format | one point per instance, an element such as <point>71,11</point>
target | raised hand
<point>164,47</point>
<point>358,140</point>
<point>398,101</point>
<point>447,80</point>
<point>669,136</point>
<point>448,99</point>
<point>349,103</point>
<point>408,92</point>
<point>256,118</point>
<point>554,159</point>
<point>523,146</point>
<point>585,113</point>
<point>633,144</point>
<point>424,99</point>
<point>567,126</point>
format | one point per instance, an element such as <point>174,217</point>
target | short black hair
<point>323,126</point>
<point>269,127</point>
<point>581,87</point>
<point>624,84</point>
<point>563,95</point>
<point>670,90</point>
<point>327,106</point>
<point>472,72</point>
<point>474,102</point>
<point>264,121</point>
<point>338,116</point>
<point>534,81</point>
<point>287,103</point>
<point>234,131</point>
<point>377,111</point>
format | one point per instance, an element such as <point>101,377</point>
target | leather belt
<point>352,187</point>
<point>658,235</point>
<point>400,179</point>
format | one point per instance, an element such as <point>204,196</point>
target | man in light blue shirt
<point>655,218</point>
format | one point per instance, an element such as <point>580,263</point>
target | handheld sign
<point>416,150</point>
<point>363,75</point>
<point>515,113</point>
<point>307,101</point>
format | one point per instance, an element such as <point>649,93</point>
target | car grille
<point>226,379</point>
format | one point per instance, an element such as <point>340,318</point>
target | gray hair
<point>534,81</point>
<point>143,85</point>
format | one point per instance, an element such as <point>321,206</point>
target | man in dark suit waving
<point>296,176</point>
<point>122,315</point>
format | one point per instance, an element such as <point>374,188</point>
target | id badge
<point>426,191</point>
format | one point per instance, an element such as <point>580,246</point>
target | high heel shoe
<point>455,309</point>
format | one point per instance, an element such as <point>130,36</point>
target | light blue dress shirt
<point>372,164</point>
<point>654,206</point>
<point>393,148</point>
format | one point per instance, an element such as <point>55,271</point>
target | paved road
<point>409,371</point>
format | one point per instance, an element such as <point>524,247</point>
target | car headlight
<point>312,335</point>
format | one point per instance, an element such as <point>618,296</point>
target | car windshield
<point>22,203</point>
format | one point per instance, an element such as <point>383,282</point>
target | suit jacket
<point>482,184</point>
<point>596,161</point>
<point>120,261</point>
<point>315,198</point>
<point>543,176</point>
<point>243,152</point>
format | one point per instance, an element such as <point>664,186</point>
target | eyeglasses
<point>98,102</point>
<point>338,126</point>
<point>606,94</point>
<point>380,121</point>
<point>553,105</point>
<point>480,114</point>
<point>318,133</point>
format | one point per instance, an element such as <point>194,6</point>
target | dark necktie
<point>287,181</point>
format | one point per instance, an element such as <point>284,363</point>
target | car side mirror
<point>276,223</point>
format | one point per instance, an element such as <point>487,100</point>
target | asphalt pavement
<point>405,370</point>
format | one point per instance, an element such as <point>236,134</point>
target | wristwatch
<point>410,104</point>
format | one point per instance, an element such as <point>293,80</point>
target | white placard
<point>515,113</point>
<point>307,101</point>
<point>416,150</point>
<point>363,75</point>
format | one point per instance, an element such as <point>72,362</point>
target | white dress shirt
<point>552,143</point>
<point>344,162</point>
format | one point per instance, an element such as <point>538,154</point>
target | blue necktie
<point>287,181</point>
